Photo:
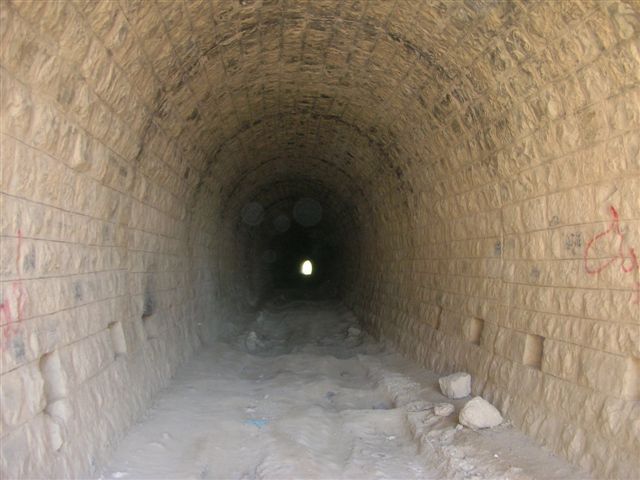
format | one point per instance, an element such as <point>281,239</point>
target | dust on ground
<point>303,392</point>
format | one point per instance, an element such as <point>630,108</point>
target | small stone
<point>354,331</point>
<point>443,409</point>
<point>456,385</point>
<point>252,342</point>
<point>478,413</point>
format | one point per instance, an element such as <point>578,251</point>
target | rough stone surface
<point>456,385</point>
<point>443,409</point>
<point>478,413</point>
<point>477,164</point>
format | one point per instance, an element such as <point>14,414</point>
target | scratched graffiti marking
<point>573,242</point>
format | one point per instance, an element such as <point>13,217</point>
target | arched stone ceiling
<point>277,192</point>
<point>400,94</point>
<point>278,172</point>
<point>474,141</point>
<point>369,86</point>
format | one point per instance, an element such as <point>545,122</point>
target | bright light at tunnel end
<point>306,268</point>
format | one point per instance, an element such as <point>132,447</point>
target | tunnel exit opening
<point>306,268</point>
<point>298,247</point>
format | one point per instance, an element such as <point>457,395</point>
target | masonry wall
<point>519,262</point>
<point>480,158</point>
<point>106,285</point>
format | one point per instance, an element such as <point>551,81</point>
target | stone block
<point>477,413</point>
<point>21,395</point>
<point>602,371</point>
<point>456,385</point>
<point>510,344</point>
<point>561,359</point>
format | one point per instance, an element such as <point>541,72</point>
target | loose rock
<point>354,332</point>
<point>443,409</point>
<point>478,413</point>
<point>456,385</point>
<point>252,342</point>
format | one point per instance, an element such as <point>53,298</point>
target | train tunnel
<point>464,177</point>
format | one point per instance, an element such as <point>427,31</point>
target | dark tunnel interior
<point>277,236</point>
<point>288,250</point>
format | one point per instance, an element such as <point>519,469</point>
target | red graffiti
<point>18,252</point>
<point>626,256</point>
<point>13,302</point>
<point>12,311</point>
<point>623,257</point>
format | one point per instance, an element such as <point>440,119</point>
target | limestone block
<point>602,371</point>
<point>16,106</point>
<point>562,396</point>
<point>478,413</point>
<point>576,205</point>
<point>510,344</point>
<point>527,383</point>
<point>534,214</point>
<point>451,322</point>
<point>85,358</point>
<point>561,359</point>
<point>47,121</point>
<point>21,173</point>
<point>456,385</point>
<point>80,157</point>
<point>13,462</point>
<point>21,394</point>
<point>501,371</point>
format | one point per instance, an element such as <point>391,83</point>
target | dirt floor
<point>302,392</point>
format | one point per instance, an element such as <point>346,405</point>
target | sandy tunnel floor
<point>302,393</point>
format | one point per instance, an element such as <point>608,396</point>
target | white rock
<point>252,342</point>
<point>354,332</point>
<point>478,413</point>
<point>456,385</point>
<point>443,409</point>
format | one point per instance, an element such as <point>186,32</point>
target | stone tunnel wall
<point>521,265</point>
<point>108,277</point>
<point>486,151</point>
